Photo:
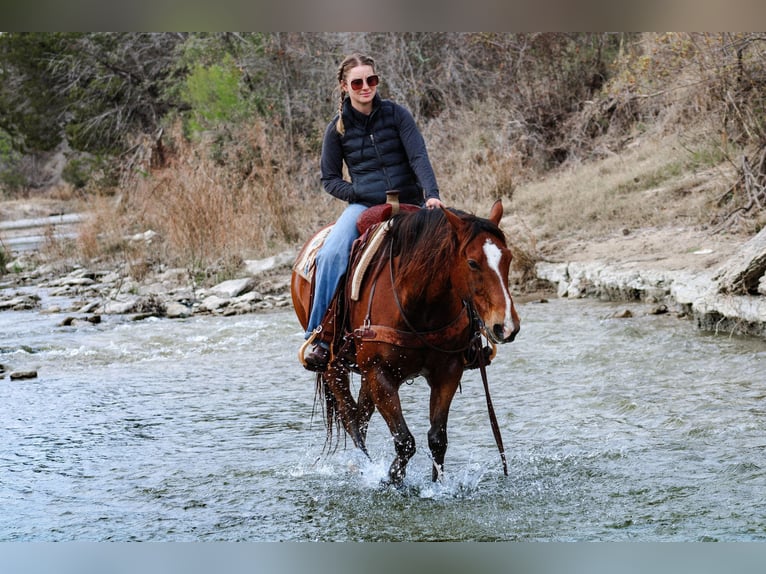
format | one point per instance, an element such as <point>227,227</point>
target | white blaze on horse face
<point>493,255</point>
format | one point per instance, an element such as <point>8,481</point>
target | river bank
<point>84,293</point>
<point>689,272</point>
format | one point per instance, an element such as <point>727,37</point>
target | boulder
<point>743,273</point>
<point>233,287</point>
<point>256,266</point>
<point>176,310</point>
<point>119,307</point>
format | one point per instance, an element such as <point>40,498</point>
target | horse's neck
<point>432,303</point>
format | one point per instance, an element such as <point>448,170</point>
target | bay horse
<point>437,282</point>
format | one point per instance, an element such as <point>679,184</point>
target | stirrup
<point>304,346</point>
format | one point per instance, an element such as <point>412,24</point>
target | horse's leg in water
<point>385,393</point>
<point>365,406</point>
<point>336,380</point>
<point>443,388</point>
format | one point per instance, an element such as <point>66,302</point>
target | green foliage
<point>213,93</point>
<point>4,259</point>
<point>10,177</point>
<point>31,106</point>
<point>95,89</point>
<point>77,172</point>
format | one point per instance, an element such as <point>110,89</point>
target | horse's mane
<point>426,244</point>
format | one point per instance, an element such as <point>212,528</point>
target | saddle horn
<point>392,198</point>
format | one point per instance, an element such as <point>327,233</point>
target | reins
<point>490,408</point>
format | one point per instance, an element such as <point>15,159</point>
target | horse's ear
<point>453,219</point>
<point>496,213</point>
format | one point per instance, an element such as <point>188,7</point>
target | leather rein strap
<point>491,410</point>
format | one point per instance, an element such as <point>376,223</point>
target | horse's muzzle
<point>505,333</point>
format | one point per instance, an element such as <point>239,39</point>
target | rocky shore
<point>84,294</point>
<point>726,298</point>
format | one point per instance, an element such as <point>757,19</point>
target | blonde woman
<point>383,150</point>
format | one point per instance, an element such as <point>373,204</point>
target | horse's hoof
<point>388,484</point>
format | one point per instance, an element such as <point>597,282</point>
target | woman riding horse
<point>436,285</point>
<point>383,149</point>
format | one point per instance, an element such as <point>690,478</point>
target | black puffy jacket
<point>383,151</point>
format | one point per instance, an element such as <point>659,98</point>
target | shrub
<point>213,94</point>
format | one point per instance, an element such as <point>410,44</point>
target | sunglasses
<point>357,84</point>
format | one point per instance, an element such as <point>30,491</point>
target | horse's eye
<point>473,264</point>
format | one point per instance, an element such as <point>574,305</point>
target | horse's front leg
<point>443,387</point>
<point>384,391</point>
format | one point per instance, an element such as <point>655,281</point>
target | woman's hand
<point>433,202</point>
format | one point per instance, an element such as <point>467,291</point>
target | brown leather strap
<point>410,340</point>
<point>490,408</point>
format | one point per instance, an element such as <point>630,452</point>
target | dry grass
<point>476,156</point>
<point>210,213</point>
<point>657,179</point>
<point>655,183</point>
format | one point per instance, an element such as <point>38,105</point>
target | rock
<point>626,314</point>
<point>111,277</point>
<point>257,266</point>
<point>88,307</point>
<point>250,297</point>
<point>146,236</point>
<point>213,302</point>
<point>20,303</point>
<point>76,281</point>
<point>742,274</point>
<point>119,307</point>
<point>696,295</point>
<point>76,321</point>
<point>658,310</point>
<point>18,375</point>
<point>233,287</point>
<point>175,310</point>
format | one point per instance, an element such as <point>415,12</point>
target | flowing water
<point>205,429</point>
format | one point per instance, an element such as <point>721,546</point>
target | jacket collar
<point>358,117</point>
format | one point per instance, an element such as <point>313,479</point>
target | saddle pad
<point>305,264</point>
<point>378,233</point>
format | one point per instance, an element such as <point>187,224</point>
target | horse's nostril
<point>499,331</point>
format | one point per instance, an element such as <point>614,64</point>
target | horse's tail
<point>339,409</point>
<point>330,412</point>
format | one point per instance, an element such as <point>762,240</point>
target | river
<point>205,429</point>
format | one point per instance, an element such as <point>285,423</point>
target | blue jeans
<point>332,262</point>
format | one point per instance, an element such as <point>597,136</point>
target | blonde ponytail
<point>339,127</point>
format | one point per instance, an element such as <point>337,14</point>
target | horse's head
<point>480,273</point>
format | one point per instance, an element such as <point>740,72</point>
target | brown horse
<point>438,284</point>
